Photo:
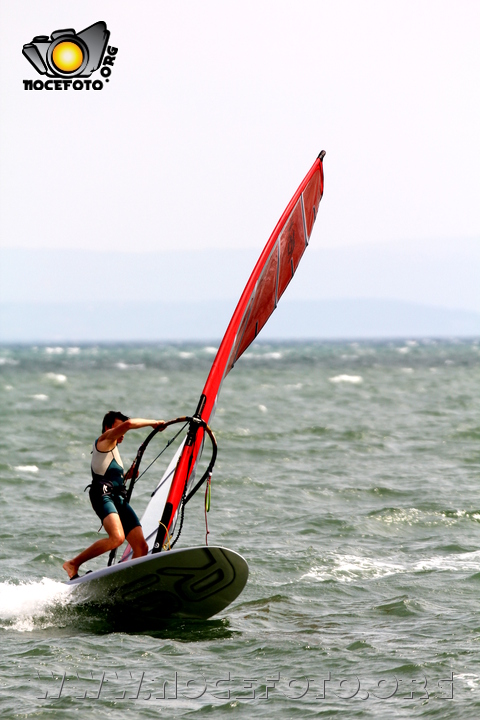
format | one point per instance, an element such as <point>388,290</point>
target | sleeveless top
<point>107,466</point>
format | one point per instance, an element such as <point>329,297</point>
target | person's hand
<point>159,425</point>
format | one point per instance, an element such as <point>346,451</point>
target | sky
<point>215,111</point>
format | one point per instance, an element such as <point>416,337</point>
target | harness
<point>101,484</point>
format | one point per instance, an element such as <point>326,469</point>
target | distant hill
<point>374,291</point>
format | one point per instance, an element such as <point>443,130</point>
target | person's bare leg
<point>116,536</point>
<point>137,542</point>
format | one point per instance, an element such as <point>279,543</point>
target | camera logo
<point>69,55</point>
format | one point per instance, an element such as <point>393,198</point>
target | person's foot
<point>70,569</point>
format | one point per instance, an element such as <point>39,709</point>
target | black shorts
<point>106,503</point>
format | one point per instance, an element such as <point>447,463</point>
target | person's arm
<point>109,438</point>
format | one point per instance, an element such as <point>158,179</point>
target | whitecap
<point>126,366</point>
<point>407,370</point>
<point>469,562</point>
<point>8,387</point>
<point>27,468</point>
<point>40,396</point>
<point>347,568</point>
<point>184,354</point>
<point>8,361</point>
<point>354,379</point>
<point>264,356</point>
<point>243,431</point>
<point>54,350</point>
<point>262,408</point>
<point>210,350</point>
<point>73,351</point>
<point>57,377</point>
<point>21,604</point>
<point>403,350</point>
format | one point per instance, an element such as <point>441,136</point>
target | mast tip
<point>322,155</point>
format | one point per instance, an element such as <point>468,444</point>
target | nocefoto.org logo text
<point>68,57</point>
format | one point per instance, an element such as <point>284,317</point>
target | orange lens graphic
<point>67,56</point>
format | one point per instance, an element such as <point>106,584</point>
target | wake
<point>27,606</point>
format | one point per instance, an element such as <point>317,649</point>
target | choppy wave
<point>58,378</point>
<point>130,366</point>
<point>427,518</point>
<point>255,355</point>
<point>354,379</point>
<point>350,568</point>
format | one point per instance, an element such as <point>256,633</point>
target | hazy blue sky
<point>214,112</point>
<point>216,109</point>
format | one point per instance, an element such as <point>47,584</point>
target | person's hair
<point>110,418</point>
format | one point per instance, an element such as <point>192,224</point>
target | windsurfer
<point>107,492</point>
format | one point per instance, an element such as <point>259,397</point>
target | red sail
<point>267,283</point>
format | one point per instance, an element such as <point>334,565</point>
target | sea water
<point>347,476</point>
